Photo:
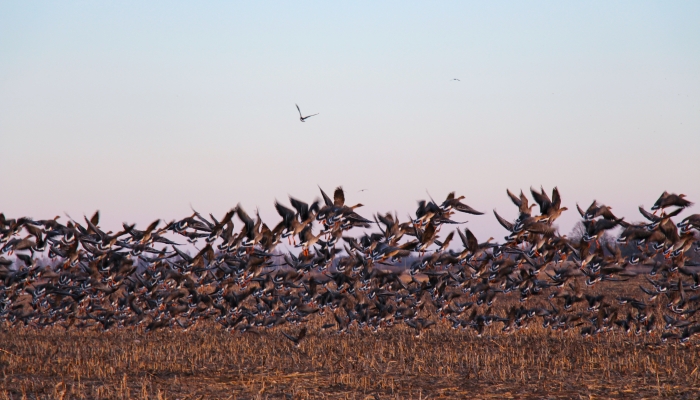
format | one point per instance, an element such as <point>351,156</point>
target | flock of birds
<point>78,276</point>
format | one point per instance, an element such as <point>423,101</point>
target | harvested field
<point>442,363</point>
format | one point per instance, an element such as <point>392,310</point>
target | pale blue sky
<point>141,108</point>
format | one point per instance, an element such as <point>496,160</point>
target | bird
<point>296,340</point>
<point>669,200</point>
<point>301,117</point>
<point>81,276</point>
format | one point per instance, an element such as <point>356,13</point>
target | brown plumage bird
<point>454,203</point>
<point>550,209</point>
<point>298,339</point>
<point>670,200</point>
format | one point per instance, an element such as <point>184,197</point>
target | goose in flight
<point>301,117</point>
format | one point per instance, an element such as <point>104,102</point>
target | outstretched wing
<point>339,197</point>
<point>292,338</point>
<point>503,222</point>
<point>326,199</point>
<point>515,199</point>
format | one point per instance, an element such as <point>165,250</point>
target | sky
<point>146,109</point>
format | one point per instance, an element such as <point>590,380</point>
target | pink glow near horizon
<point>140,110</point>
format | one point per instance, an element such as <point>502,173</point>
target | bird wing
<point>651,217</point>
<point>339,197</point>
<point>292,338</point>
<point>463,238</point>
<point>542,200</point>
<point>592,208</point>
<point>245,218</point>
<point>301,207</point>
<point>284,212</point>
<point>556,198</point>
<point>471,241</point>
<point>663,197</point>
<point>503,222</point>
<point>326,199</point>
<point>466,209</point>
<point>515,199</point>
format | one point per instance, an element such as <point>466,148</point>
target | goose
<point>301,117</point>
<point>454,203</point>
<point>670,200</point>
<point>550,209</point>
<point>136,278</point>
<point>307,239</point>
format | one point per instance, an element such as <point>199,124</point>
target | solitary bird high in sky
<point>301,117</point>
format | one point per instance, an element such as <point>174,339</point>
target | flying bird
<point>301,117</point>
<point>455,79</point>
<point>297,339</point>
<point>169,288</point>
